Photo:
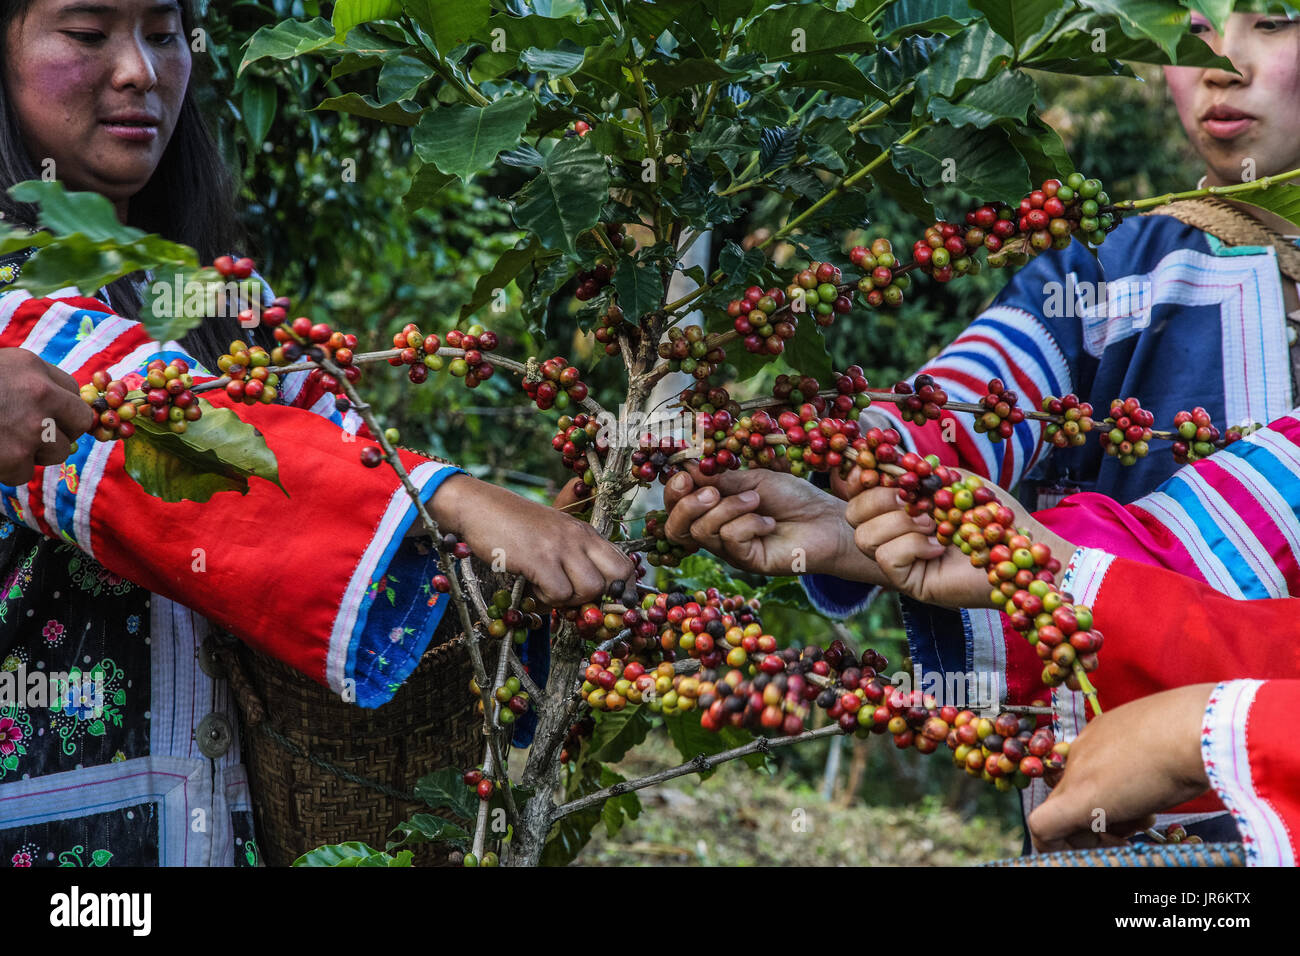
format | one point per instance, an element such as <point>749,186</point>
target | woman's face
<point>97,86</point>
<point>1244,126</point>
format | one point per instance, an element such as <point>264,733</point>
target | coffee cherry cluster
<point>1010,751</point>
<point>816,444</point>
<point>1022,572</point>
<point>652,459</point>
<point>516,622</point>
<point>1077,415</point>
<point>718,452</point>
<point>612,325</point>
<point>575,440</point>
<point>1197,436</point>
<point>251,380</point>
<point>591,281</point>
<point>560,384</point>
<point>167,399</point>
<point>763,319</point>
<point>872,450</point>
<point>881,286</point>
<point>231,268</point>
<point>578,128</point>
<point>745,681</point>
<point>316,341</point>
<point>420,353</point>
<point>816,291</point>
<point>513,699</point>
<point>1178,834</point>
<point>688,351</point>
<point>663,553</point>
<point>1001,415</point>
<point>1129,432</point>
<point>703,397</point>
<point>989,226</point>
<point>579,731</point>
<point>924,402</point>
<point>945,251</point>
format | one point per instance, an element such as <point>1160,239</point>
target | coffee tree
<point>637,129</point>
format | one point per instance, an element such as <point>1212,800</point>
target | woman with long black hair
<point>96,577</point>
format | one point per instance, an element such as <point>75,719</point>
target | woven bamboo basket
<point>298,737</point>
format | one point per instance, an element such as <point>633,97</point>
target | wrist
<point>449,502</point>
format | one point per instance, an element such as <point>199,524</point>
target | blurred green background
<point>321,202</point>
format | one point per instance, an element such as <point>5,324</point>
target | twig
<point>700,764</point>
<point>1168,198</point>
<point>530,685</point>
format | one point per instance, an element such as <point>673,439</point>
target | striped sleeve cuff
<point>1226,755</point>
<point>390,611</point>
<point>1085,573</point>
<point>837,598</point>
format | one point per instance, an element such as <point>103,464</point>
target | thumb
<point>678,487</point>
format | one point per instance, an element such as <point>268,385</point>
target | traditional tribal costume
<point>324,580</point>
<point>1166,313</point>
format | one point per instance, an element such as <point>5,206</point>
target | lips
<point>1226,122</point>
<point>132,127</point>
<point>131,119</point>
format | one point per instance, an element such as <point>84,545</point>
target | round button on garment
<point>214,735</point>
<point>208,662</point>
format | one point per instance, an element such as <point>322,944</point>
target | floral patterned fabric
<point>61,611</point>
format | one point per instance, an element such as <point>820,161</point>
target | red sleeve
<point>1253,765</point>
<point>294,576</point>
<point>1164,630</point>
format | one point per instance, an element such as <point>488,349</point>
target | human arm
<point>308,579</point>
<point>1127,765</point>
<point>1232,737</point>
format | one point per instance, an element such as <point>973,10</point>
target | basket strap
<point>250,704</point>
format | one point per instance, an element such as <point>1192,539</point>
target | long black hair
<point>189,199</point>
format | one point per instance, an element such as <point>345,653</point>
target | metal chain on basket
<point>338,771</point>
<point>1140,854</point>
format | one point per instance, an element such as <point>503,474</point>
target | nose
<point>133,66</point>
<point>1233,45</point>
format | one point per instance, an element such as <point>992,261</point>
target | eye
<point>83,36</point>
<point>165,39</point>
<point>1272,25</point>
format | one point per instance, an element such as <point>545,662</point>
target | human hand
<point>913,561</point>
<point>1129,763</point>
<point>33,395</point>
<point>564,559</point>
<point>766,522</point>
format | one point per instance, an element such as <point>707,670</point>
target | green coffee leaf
<point>617,732</point>
<point>426,828</point>
<point>463,140</point>
<point>1017,20</point>
<point>400,114</point>
<point>1009,95</point>
<point>1282,200</point>
<point>565,199</point>
<point>286,40</point>
<point>640,288</point>
<point>350,13</point>
<point>450,24</point>
<point>445,790</point>
<point>219,452</point>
